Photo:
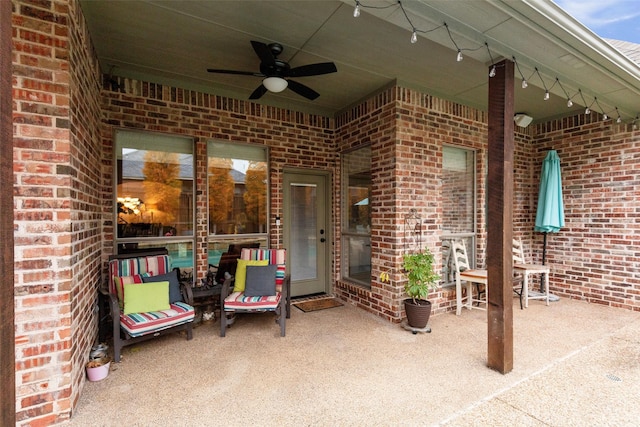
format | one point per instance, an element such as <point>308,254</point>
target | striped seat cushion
<point>275,256</point>
<point>138,324</point>
<point>237,301</point>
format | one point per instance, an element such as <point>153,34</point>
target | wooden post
<point>7,329</point>
<point>500,219</point>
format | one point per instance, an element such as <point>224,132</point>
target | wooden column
<point>500,219</point>
<point>7,333</point>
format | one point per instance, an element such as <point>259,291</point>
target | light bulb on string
<point>414,36</point>
<point>587,110</point>
<point>492,72</point>
<point>605,116</point>
<point>546,95</point>
<point>356,11</point>
<point>524,84</point>
<point>619,119</point>
<point>569,103</point>
<point>459,57</point>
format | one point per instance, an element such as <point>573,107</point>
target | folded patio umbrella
<point>550,213</point>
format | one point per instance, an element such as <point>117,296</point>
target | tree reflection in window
<point>238,189</point>
<point>162,185</point>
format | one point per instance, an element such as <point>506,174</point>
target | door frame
<point>326,177</point>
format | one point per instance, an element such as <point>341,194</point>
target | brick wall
<point>58,207</point>
<point>295,140</point>
<point>595,257</point>
<point>63,190</point>
<point>406,130</point>
<point>88,192</point>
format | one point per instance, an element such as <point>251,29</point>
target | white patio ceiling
<point>174,42</point>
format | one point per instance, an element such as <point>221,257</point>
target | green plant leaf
<point>420,274</point>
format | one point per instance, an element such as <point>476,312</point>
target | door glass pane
<point>304,231</point>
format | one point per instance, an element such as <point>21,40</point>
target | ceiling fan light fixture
<point>275,84</point>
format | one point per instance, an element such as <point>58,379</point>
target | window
<point>356,212</point>
<point>154,204</point>
<point>458,199</point>
<point>238,189</point>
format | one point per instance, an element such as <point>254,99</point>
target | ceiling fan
<point>276,72</point>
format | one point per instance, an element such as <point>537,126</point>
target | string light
<point>492,71</point>
<point>604,115</point>
<point>524,81</point>
<point>587,110</point>
<point>459,56</point>
<point>546,90</point>
<point>569,101</point>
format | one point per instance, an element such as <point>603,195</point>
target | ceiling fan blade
<point>242,73</point>
<point>313,69</point>
<point>257,94</point>
<point>303,90</point>
<point>263,52</point>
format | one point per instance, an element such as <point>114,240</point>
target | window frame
<point>470,237</point>
<point>218,243</point>
<point>346,232</point>
<point>173,243</point>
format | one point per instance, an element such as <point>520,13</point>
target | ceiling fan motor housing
<point>279,68</point>
<point>275,48</point>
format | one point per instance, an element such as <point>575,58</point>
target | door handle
<point>322,240</point>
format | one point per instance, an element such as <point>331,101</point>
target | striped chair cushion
<point>138,324</point>
<point>154,265</point>
<point>275,256</point>
<point>237,301</point>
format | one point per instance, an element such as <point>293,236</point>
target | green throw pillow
<point>144,297</point>
<point>241,272</point>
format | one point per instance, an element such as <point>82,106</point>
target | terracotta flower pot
<point>417,314</point>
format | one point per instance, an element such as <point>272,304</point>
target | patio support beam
<point>7,329</point>
<point>500,219</point>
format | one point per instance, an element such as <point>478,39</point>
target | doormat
<point>317,304</point>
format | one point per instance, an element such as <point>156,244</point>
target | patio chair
<point>464,273</point>
<point>525,270</point>
<point>146,299</point>
<point>259,285</point>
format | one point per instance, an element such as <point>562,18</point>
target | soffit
<point>174,42</point>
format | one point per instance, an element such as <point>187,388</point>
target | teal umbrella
<point>550,214</point>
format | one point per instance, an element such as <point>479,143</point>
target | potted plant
<point>98,369</point>
<point>421,279</point>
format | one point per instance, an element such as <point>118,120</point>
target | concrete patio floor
<point>575,364</point>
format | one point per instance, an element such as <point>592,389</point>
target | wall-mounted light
<point>522,119</point>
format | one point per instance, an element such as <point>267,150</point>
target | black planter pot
<point>417,314</point>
